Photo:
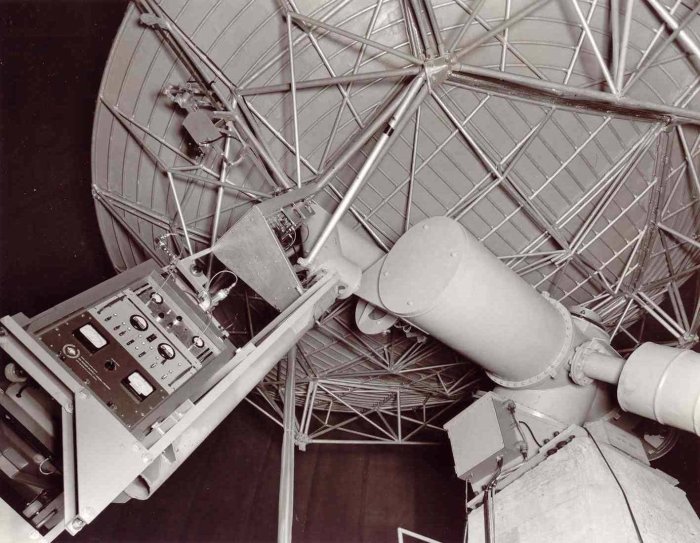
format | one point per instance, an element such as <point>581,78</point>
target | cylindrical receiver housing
<point>662,383</point>
<point>442,279</point>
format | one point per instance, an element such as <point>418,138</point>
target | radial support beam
<point>594,46</point>
<point>313,23</point>
<point>432,18</point>
<point>694,242</point>
<point>422,27</point>
<point>552,93</point>
<point>687,41</point>
<point>463,30</point>
<point>286,498</point>
<point>649,60</point>
<point>513,20</point>
<point>366,77</point>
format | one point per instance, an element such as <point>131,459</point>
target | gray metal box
<point>479,435</point>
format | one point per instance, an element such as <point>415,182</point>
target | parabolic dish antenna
<point>562,134</point>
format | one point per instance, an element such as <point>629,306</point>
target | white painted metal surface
<point>663,384</point>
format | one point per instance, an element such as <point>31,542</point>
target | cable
<point>211,280</point>
<point>207,288</point>
<point>524,449</point>
<point>41,467</point>
<point>489,495</point>
<point>531,432</point>
<point>624,494</point>
<point>24,387</point>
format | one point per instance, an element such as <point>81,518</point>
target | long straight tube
<point>332,81</point>
<point>366,168</point>
<point>685,38</point>
<point>286,498</point>
<point>577,95</point>
<point>384,116</point>
<point>179,213</point>
<point>219,198</point>
<point>295,114</point>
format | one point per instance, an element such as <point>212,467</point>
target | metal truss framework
<point>433,71</point>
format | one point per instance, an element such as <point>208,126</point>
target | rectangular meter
<point>90,337</point>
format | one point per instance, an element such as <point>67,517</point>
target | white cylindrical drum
<point>662,383</point>
<point>442,279</point>
<point>603,367</point>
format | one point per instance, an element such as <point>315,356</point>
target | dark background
<point>52,54</point>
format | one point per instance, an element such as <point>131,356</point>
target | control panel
<point>91,352</point>
<point>137,348</point>
<point>150,326</point>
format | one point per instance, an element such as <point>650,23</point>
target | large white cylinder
<point>442,279</point>
<point>662,383</point>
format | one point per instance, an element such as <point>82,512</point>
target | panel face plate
<point>105,370</point>
<point>137,346</point>
<point>146,333</point>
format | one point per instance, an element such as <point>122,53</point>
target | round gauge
<point>166,351</point>
<point>156,298</point>
<point>198,342</point>
<point>138,322</point>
